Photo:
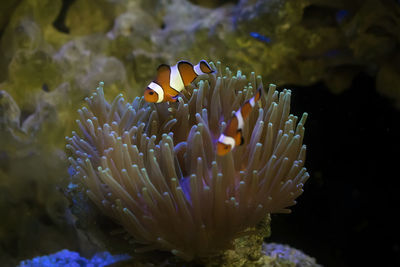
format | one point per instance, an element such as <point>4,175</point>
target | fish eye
<point>151,93</point>
<point>226,147</point>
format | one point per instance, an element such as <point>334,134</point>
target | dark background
<point>346,215</point>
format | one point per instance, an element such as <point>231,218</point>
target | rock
<point>388,80</point>
<point>287,255</point>
<point>9,111</point>
<point>274,255</point>
<point>70,258</point>
<point>90,16</point>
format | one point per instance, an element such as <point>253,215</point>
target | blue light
<point>260,37</point>
<point>72,186</point>
<point>341,15</point>
<point>71,171</point>
<point>65,258</point>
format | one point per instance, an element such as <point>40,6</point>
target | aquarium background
<point>340,59</point>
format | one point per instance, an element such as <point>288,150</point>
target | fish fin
<point>258,94</point>
<point>171,98</point>
<point>187,73</point>
<point>176,98</point>
<point>239,140</point>
<point>163,72</point>
<point>162,66</point>
<point>241,137</point>
<point>205,67</point>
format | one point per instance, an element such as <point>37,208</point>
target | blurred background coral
<point>340,58</point>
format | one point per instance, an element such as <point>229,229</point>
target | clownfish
<point>170,81</point>
<point>232,135</point>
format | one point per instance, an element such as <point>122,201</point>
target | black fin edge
<point>241,137</point>
<point>163,65</point>
<point>184,61</point>
<point>208,66</point>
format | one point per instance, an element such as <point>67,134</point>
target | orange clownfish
<point>170,81</point>
<point>232,135</point>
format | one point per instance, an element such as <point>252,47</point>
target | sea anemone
<point>153,168</point>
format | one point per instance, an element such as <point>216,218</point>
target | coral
<point>154,170</point>
<point>291,256</point>
<point>100,14</point>
<point>275,255</point>
<point>32,208</point>
<point>70,258</point>
<point>291,43</point>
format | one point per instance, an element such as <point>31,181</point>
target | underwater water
<point>350,207</point>
<point>76,193</point>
